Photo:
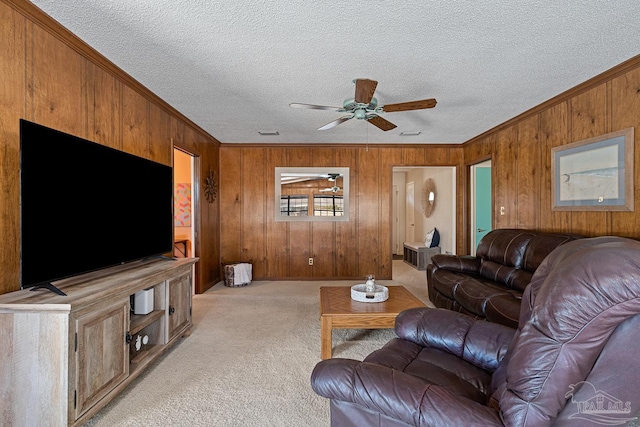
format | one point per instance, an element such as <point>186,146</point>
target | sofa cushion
<point>434,366</point>
<point>447,281</point>
<point>504,309</point>
<point>542,245</point>
<point>473,294</point>
<point>497,272</point>
<point>504,246</point>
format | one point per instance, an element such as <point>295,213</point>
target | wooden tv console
<point>64,357</point>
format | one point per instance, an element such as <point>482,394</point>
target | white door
<point>410,212</point>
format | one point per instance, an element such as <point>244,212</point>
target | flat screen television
<point>86,206</point>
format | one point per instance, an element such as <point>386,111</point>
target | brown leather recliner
<point>490,285</point>
<point>571,362</point>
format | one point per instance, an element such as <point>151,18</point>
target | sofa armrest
<point>460,264</point>
<point>478,342</point>
<point>398,395</point>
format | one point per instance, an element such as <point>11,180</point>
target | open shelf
<point>141,321</point>
<point>145,357</point>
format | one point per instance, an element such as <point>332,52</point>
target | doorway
<point>186,206</point>
<point>443,217</point>
<point>481,203</point>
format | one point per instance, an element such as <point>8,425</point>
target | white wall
<point>443,217</point>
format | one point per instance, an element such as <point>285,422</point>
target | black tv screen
<point>85,206</point>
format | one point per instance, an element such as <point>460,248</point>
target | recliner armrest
<point>398,395</point>
<point>478,342</point>
<point>461,264</point>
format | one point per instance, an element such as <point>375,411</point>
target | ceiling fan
<point>364,106</point>
<point>332,178</point>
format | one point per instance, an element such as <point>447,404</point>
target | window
<point>328,205</point>
<point>294,205</point>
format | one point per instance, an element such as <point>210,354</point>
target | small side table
<point>418,255</point>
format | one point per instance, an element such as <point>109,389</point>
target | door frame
<point>195,212</point>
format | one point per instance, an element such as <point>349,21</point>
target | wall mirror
<point>312,194</point>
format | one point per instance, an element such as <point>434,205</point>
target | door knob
<point>480,230</point>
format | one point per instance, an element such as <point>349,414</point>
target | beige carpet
<point>248,360</point>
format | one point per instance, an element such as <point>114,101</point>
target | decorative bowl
<point>359,293</point>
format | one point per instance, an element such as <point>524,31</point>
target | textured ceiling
<point>233,67</point>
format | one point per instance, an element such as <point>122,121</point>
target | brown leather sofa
<point>571,362</point>
<point>490,285</point>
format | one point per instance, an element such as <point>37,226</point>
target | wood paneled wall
<point>340,250</point>
<point>521,154</point>
<point>51,77</point>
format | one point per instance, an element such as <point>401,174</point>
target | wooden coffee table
<point>339,311</point>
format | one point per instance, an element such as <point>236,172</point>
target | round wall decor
<point>428,197</point>
<point>210,187</point>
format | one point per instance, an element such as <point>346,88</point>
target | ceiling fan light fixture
<point>412,133</point>
<point>268,132</point>
<point>364,106</point>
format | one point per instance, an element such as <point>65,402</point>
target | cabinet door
<point>101,354</point>
<point>179,304</point>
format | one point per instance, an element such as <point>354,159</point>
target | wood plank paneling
<point>607,103</point>
<point>104,104</point>
<point>323,240</point>
<point>160,145</point>
<point>385,188</point>
<point>230,212</point>
<point>12,108</point>
<point>588,119</point>
<point>554,132</point>
<point>135,123</point>
<point>253,210</point>
<point>528,173</point>
<point>346,233</point>
<point>368,216</point>
<point>300,232</point>
<point>625,96</point>
<point>56,75</point>
<point>414,156</point>
<point>51,77</point>
<point>504,173</point>
<point>479,150</point>
<point>341,250</point>
<point>277,248</point>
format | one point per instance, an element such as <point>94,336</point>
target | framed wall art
<point>594,174</point>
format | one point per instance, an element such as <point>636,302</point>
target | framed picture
<point>595,174</point>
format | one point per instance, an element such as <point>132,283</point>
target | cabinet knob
<point>128,338</point>
<point>171,310</point>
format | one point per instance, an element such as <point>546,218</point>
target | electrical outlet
<point>310,261</point>
<point>501,210</point>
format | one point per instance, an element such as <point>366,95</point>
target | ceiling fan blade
<point>381,123</point>
<point>335,123</point>
<point>364,90</point>
<point>312,107</point>
<point>412,105</point>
